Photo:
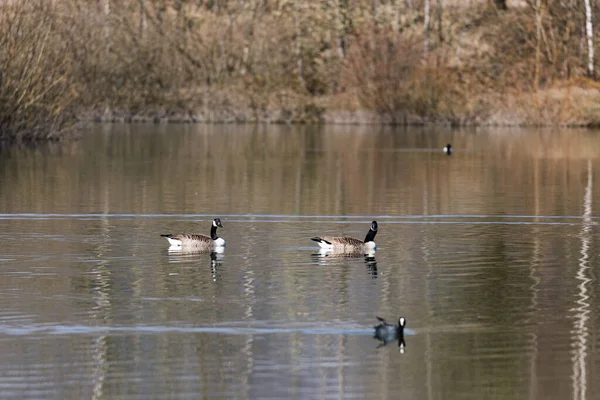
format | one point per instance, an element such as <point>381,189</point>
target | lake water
<point>491,255</point>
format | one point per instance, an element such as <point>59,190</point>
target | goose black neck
<point>213,233</point>
<point>370,236</point>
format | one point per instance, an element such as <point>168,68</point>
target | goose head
<point>374,226</point>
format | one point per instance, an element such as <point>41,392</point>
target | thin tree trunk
<point>440,30</point>
<point>396,21</point>
<point>374,12</point>
<point>104,6</point>
<point>566,67</point>
<point>461,37</point>
<point>346,22</point>
<point>299,65</point>
<point>590,37</point>
<point>143,19</point>
<point>181,32</point>
<point>439,13</point>
<point>338,33</point>
<point>538,42</point>
<point>427,7</point>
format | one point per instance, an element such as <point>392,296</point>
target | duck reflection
<point>216,259</point>
<point>177,255</point>
<point>371,263</point>
<point>389,333</point>
<point>190,251</point>
<point>325,256</point>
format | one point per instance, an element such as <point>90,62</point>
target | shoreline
<point>372,64</point>
<point>573,106</point>
<point>361,117</point>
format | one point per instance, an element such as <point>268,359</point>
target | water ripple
<point>232,330</point>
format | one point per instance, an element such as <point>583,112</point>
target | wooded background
<point>403,61</point>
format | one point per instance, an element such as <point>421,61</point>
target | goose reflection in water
<point>325,257</point>
<point>216,259</point>
<point>177,255</point>
<point>371,265</point>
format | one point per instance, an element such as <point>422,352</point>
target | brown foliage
<point>510,61</point>
<point>37,89</point>
<point>394,79</point>
<point>279,60</point>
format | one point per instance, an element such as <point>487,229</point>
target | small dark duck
<point>389,333</point>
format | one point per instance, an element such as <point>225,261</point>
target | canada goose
<point>349,245</point>
<point>198,242</point>
<point>448,149</point>
<point>388,332</point>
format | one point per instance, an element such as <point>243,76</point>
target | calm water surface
<point>491,255</point>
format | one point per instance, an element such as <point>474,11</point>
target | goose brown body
<point>196,241</point>
<point>343,244</point>
<point>191,239</point>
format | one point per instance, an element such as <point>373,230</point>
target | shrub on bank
<point>37,85</point>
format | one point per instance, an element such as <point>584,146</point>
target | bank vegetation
<point>529,62</point>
